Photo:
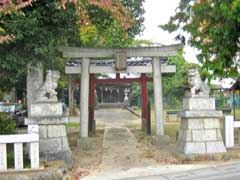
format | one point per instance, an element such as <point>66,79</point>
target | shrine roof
<point>111,62</point>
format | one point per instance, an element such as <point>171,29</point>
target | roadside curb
<point>145,171</point>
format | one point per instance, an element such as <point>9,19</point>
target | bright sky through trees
<point>158,12</point>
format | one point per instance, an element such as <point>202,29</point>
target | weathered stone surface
<point>184,123</point>
<point>13,177</point>
<point>219,135</point>
<point>185,135</point>
<point>53,175</point>
<point>200,127</point>
<point>48,109</point>
<point>213,147</point>
<point>194,148</point>
<point>160,140</point>
<point>211,123</point>
<point>202,113</point>
<point>34,80</point>
<point>199,103</point>
<point>180,146</point>
<point>43,131</point>
<point>58,155</point>
<point>47,113</point>
<point>47,91</point>
<point>65,145</point>
<point>204,135</point>
<point>56,131</point>
<point>50,145</point>
<point>195,123</point>
<point>45,120</point>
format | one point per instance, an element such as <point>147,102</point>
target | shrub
<point>7,124</point>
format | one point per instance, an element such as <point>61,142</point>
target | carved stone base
<point>199,136</point>
<point>53,143</point>
<point>200,131</point>
<point>66,156</point>
<point>46,109</point>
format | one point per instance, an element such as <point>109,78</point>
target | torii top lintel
<point>162,51</point>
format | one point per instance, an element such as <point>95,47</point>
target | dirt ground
<point>89,158</point>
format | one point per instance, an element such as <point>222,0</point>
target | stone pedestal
<point>200,127</point>
<point>53,143</point>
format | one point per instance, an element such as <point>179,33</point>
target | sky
<point>158,12</point>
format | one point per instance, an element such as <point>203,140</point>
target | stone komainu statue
<point>198,87</point>
<point>46,92</point>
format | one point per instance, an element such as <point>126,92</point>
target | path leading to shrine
<point>120,150</point>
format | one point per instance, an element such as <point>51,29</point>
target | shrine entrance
<point>89,61</point>
<point>111,94</point>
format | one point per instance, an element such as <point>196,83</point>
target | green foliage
<point>10,158</point>
<point>7,124</point>
<point>215,30</point>
<point>141,42</point>
<point>112,36</point>
<point>105,31</point>
<point>1,94</point>
<point>41,28</point>
<point>174,84</point>
<point>37,35</point>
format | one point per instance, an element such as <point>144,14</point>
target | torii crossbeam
<point>88,64</point>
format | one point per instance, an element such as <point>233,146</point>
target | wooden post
<point>3,157</point>
<point>18,156</point>
<point>71,96</point>
<point>149,118</point>
<point>91,103</point>
<point>229,131</point>
<point>84,99</point>
<point>117,76</point>
<point>144,101</point>
<point>101,95</point>
<point>234,106</point>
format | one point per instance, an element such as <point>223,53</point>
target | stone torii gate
<point>87,55</point>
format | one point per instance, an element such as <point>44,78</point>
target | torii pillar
<point>84,97</point>
<point>158,100</point>
<point>121,66</point>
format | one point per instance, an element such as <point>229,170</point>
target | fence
<point>32,140</point>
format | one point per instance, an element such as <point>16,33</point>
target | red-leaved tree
<point>115,7</point>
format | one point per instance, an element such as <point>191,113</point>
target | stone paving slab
<point>119,149</point>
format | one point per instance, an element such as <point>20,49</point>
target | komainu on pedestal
<point>48,113</point>
<point>200,131</point>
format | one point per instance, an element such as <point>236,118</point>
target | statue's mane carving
<point>46,92</point>
<point>198,87</point>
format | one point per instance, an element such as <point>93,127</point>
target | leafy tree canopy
<point>214,27</point>
<point>38,29</point>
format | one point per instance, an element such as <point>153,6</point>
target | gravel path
<point>120,150</point>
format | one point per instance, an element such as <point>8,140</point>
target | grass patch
<point>237,113</point>
<point>72,125</point>
<point>10,156</point>
<point>171,130</point>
